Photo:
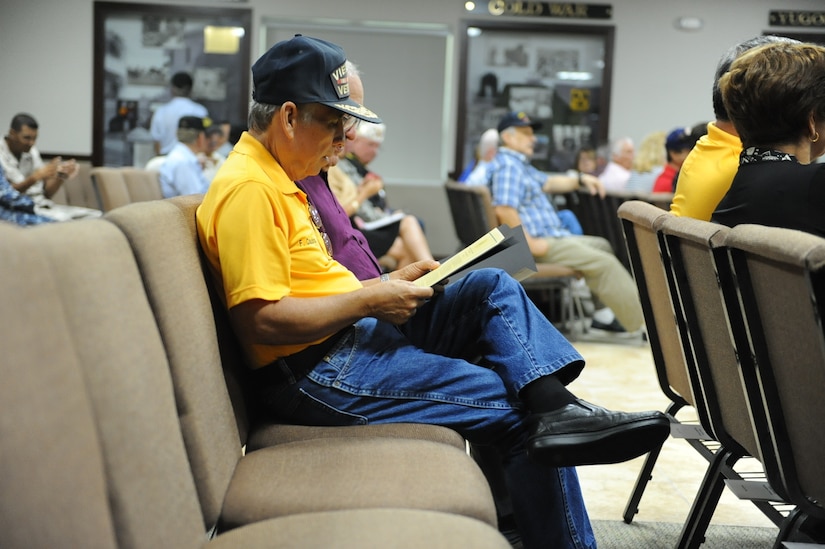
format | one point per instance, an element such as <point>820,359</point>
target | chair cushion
<point>333,473</point>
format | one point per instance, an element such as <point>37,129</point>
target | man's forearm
<point>561,183</point>
<point>24,185</point>
<point>295,320</point>
<point>51,185</point>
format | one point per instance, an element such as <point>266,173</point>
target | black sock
<point>546,394</point>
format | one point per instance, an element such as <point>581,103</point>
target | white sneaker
<point>579,288</point>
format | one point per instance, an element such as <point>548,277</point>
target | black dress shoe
<point>584,434</point>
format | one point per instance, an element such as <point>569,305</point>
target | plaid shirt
<point>516,183</point>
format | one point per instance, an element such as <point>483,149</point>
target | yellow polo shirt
<point>706,174</point>
<point>255,229</point>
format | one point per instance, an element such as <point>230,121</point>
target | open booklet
<point>383,222</point>
<point>504,247</point>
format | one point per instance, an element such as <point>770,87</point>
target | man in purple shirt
<point>349,246</point>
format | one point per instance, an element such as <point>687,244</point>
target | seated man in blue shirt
<point>519,193</point>
<point>16,207</point>
<point>165,119</point>
<point>181,173</point>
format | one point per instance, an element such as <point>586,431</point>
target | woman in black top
<point>775,96</point>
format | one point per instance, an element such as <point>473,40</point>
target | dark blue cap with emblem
<point>306,70</point>
<point>516,120</point>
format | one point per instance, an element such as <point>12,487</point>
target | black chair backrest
<point>472,211</point>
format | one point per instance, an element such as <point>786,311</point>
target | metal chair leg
<point>693,531</point>
<point>645,475</point>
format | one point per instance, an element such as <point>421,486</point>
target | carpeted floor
<point>663,535</point>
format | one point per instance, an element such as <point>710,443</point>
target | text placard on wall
<point>563,10</point>
<point>790,18</point>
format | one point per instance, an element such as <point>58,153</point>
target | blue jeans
<point>425,371</point>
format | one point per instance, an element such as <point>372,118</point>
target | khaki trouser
<point>608,280</point>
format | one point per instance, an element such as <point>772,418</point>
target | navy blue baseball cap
<point>680,139</point>
<point>516,120</point>
<point>194,123</point>
<point>306,70</point>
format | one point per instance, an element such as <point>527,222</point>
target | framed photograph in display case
<point>137,49</point>
<point>558,75</point>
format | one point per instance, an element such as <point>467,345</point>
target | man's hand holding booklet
<point>503,247</point>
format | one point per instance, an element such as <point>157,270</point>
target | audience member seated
<point>648,163</point>
<point>181,173</point>
<point>519,198</point>
<point>335,350</point>
<point>780,118</point>
<point>602,158</point>
<point>480,175</point>
<point>28,174</point>
<point>397,244</point>
<point>350,248</point>
<point>708,170</point>
<point>224,146</point>
<point>16,207</point>
<point>210,158</point>
<point>585,160</point>
<point>486,150</point>
<point>349,245</point>
<point>678,144</point>
<point>164,123</point>
<point>616,173</point>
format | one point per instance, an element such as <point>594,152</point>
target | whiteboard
<point>407,75</point>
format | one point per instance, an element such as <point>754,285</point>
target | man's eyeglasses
<point>319,224</point>
<point>314,114</point>
<point>350,122</point>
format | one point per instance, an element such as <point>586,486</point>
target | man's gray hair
<point>719,110</point>
<point>508,130</point>
<point>488,142</point>
<point>617,144</point>
<point>260,115</point>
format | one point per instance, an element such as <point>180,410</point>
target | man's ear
<point>288,118</point>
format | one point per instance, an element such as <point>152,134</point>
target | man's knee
<point>491,278</point>
<point>601,243</point>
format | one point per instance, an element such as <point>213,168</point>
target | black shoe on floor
<point>614,326</point>
<point>584,434</point>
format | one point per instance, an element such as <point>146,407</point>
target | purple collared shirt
<point>349,247</point>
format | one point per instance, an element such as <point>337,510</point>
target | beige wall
<point>661,75</point>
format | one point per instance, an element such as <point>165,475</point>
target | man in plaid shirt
<point>519,193</point>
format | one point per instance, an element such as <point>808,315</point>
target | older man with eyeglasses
<point>327,349</point>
